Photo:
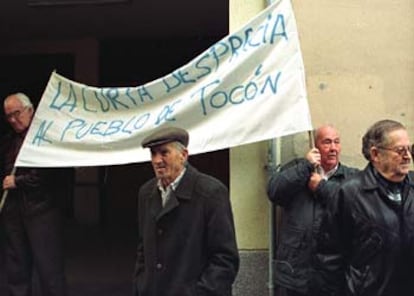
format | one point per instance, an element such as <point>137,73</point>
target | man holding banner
<point>304,188</point>
<point>30,217</point>
<point>186,236</point>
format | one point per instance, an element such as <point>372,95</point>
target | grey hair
<point>24,99</point>
<point>180,147</point>
<point>377,135</point>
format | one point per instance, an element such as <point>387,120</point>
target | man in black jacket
<point>374,219</point>
<point>31,217</point>
<point>303,188</point>
<point>186,236</point>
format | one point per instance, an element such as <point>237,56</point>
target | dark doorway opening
<point>101,201</point>
<point>29,73</point>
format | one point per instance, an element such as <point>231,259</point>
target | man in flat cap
<point>186,236</point>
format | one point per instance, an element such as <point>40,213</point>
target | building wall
<point>248,191</point>
<point>359,67</point>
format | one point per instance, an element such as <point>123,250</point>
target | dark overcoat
<point>303,211</point>
<point>32,225</point>
<point>187,248</point>
<point>375,237</point>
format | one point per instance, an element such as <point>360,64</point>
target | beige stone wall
<point>247,174</point>
<point>359,63</point>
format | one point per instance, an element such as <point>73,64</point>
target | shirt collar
<point>174,184</point>
<point>328,174</point>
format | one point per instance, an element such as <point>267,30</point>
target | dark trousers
<point>34,242</point>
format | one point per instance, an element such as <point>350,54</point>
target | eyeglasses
<point>400,150</point>
<point>15,114</point>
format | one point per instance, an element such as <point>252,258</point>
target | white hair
<point>24,99</point>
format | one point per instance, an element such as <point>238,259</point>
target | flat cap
<point>165,135</point>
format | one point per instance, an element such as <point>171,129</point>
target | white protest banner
<point>248,87</point>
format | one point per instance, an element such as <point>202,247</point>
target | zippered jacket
<point>302,214</point>
<point>374,236</point>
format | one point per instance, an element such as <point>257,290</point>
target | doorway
<point>101,201</point>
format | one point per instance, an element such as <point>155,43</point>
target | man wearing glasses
<point>31,217</point>
<point>374,220</point>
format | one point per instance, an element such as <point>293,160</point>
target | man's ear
<point>374,152</point>
<point>185,154</point>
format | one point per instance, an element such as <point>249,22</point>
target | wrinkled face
<point>329,145</point>
<point>168,161</point>
<point>394,159</point>
<point>18,116</point>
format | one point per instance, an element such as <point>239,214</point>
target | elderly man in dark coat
<point>304,188</point>
<point>186,235</point>
<point>373,222</point>
<point>31,218</point>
